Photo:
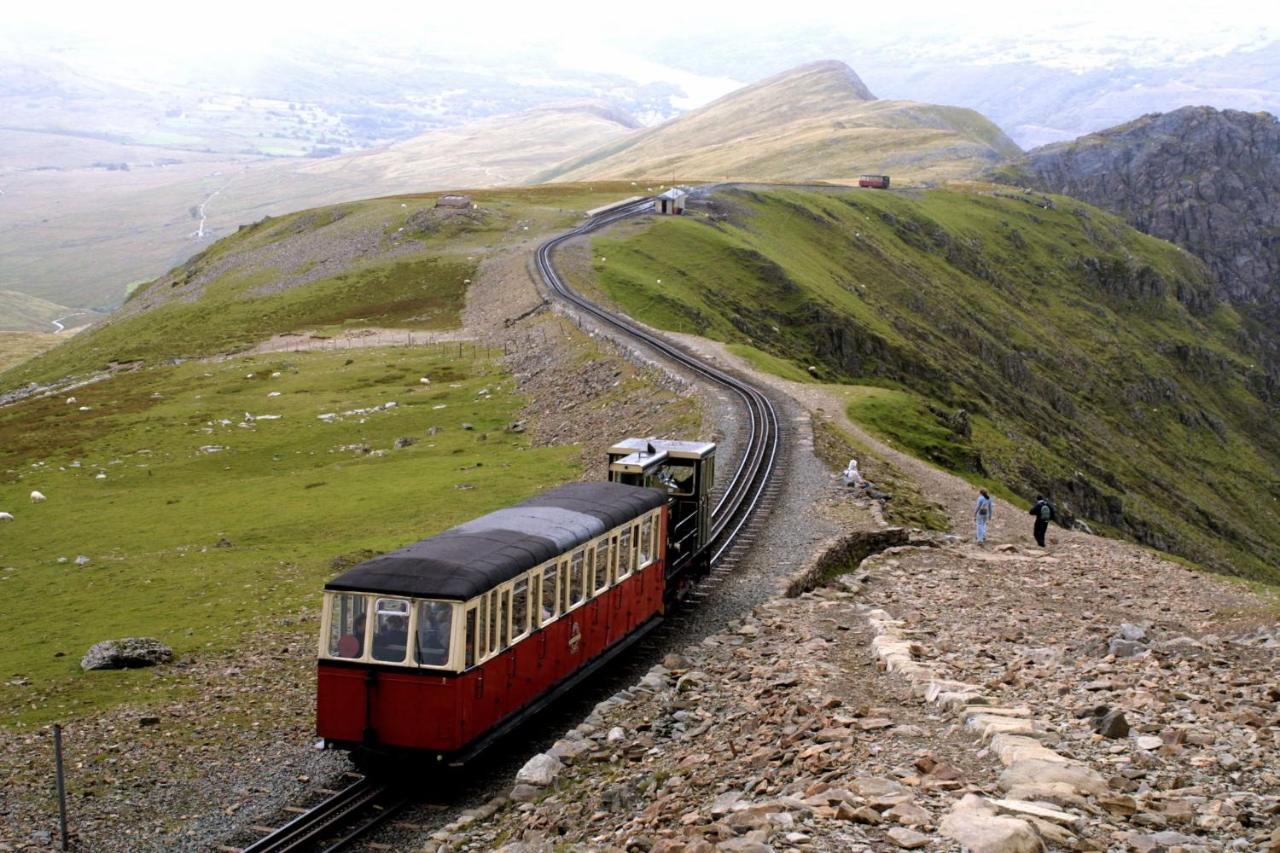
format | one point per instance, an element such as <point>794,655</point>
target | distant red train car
<point>877,182</point>
<point>446,645</point>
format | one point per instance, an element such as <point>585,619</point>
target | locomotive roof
<point>464,561</point>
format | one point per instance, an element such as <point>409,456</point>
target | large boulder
<point>129,653</point>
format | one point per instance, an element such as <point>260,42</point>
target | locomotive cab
<point>685,470</point>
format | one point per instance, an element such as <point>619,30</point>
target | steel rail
<point>309,829</point>
<point>760,454</point>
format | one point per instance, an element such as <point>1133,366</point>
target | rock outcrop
<point>1206,179</point>
<point>129,653</point>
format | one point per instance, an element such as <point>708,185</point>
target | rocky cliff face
<point>1206,179</point>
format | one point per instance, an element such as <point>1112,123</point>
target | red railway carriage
<point>876,182</point>
<point>442,646</point>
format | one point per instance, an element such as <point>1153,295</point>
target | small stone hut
<point>671,202</point>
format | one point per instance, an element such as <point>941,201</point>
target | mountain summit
<point>814,122</point>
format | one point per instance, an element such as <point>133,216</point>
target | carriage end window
<point>347,614</point>
<point>390,629</point>
<point>435,623</point>
<point>470,627</point>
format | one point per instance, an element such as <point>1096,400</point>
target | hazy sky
<point>253,25</point>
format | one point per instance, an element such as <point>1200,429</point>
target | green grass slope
<point>208,525</point>
<point>815,122</point>
<point>1023,339</point>
<point>385,262</point>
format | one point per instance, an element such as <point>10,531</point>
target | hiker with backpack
<point>981,515</point>
<point>1044,513</point>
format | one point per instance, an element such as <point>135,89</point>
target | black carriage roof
<point>464,561</point>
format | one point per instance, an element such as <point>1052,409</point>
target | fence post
<point>62,787</point>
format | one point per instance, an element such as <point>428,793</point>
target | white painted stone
<point>540,771</point>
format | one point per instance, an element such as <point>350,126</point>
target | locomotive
<point>444,646</point>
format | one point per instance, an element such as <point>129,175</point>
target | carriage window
<point>577,583</point>
<point>482,629</point>
<point>602,562</point>
<point>599,570</point>
<point>346,625</point>
<point>624,553</point>
<point>549,599</point>
<point>646,541</point>
<point>520,609</point>
<point>504,613</point>
<point>619,570</point>
<point>435,619</point>
<point>491,644</point>
<point>470,659</point>
<point>390,629</point>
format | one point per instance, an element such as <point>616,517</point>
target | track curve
<point>739,502</point>
<point>746,488</point>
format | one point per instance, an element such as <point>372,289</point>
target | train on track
<point>444,646</point>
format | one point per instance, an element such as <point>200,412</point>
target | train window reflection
<point>435,619</point>
<point>624,553</point>
<point>519,609</point>
<point>679,479</point>
<point>598,570</point>
<point>346,625</point>
<point>470,658</point>
<point>390,629</point>
<point>577,584</point>
<point>549,598</point>
<point>646,541</point>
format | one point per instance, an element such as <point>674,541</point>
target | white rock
<point>1022,808</point>
<point>540,771</point>
<point>617,734</point>
<point>974,823</point>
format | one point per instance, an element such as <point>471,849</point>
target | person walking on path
<point>1044,513</point>
<point>981,515</point>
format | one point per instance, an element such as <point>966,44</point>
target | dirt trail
<point>1010,523</point>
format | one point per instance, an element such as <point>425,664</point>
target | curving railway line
<point>746,488</point>
<point>365,804</point>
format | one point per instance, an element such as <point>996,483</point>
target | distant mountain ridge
<point>815,122</point>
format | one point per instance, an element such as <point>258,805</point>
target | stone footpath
<point>941,697</point>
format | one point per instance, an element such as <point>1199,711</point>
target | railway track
<point>349,814</point>
<point>335,822</point>
<point>748,488</point>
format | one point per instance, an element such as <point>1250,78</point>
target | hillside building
<point>671,202</point>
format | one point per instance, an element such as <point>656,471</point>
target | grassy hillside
<point>1024,339</point>
<point>86,227</point>
<point>17,347</point>
<point>211,497</point>
<point>385,262</point>
<point>211,500</point>
<point>21,312</point>
<point>816,122</point>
